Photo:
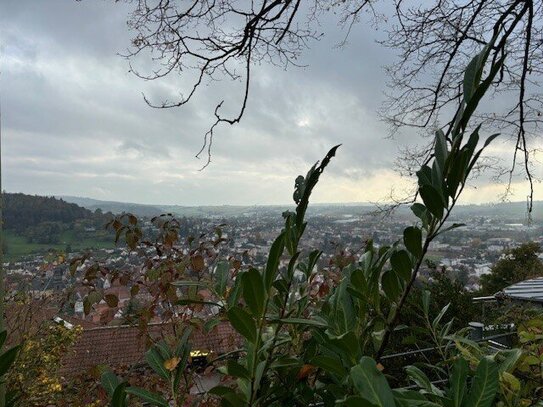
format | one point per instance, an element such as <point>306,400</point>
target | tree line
<point>41,219</point>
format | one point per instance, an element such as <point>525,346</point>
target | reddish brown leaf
<point>111,300</point>
<point>198,263</point>
<point>305,371</point>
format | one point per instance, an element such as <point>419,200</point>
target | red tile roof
<point>117,346</point>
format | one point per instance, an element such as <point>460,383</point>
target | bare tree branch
<point>213,39</point>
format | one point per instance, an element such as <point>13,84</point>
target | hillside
<point>22,211</point>
<point>510,209</point>
<point>114,207</point>
<point>35,224</point>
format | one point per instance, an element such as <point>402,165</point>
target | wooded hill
<point>33,223</point>
<point>21,211</point>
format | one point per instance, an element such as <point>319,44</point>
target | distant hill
<point>509,209</point>
<point>115,207</point>
<point>210,210</point>
<point>22,211</point>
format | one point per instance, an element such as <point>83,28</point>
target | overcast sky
<point>74,121</point>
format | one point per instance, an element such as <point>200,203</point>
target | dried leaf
<point>171,364</point>
<point>112,300</point>
<point>198,263</point>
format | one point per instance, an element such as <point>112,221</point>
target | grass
<point>18,246</point>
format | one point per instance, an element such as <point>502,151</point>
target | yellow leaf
<point>172,363</point>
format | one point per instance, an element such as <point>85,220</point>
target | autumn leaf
<point>111,300</point>
<point>198,263</point>
<point>171,364</point>
<point>305,371</point>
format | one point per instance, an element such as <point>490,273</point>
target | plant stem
<point>390,326</point>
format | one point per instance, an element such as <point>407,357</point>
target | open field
<point>18,246</point>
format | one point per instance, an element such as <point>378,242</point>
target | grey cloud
<point>75,122</point>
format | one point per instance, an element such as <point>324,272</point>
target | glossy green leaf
<point>424,175</point>
<point>472,76</point>
<point>118,399</point>
<point>391,285</point>
<point>348,344</point>
<point>437,181</point>
<point>412,239</point>
<point>418,376</point>
<point>478,154</point>
<point>458,382</point>
<point>479,93</point>
<point>274,258</point>
<point>312,261</point>
<point>234,369</point>
<point>432,200</point>
<point>156,362</point>
<point>401,264</point>
<point>233,296</point>
<point>441,151</point>
<point>253,291</point>
<point>109,382</point>
<point>507,359</point>
<point>94,297</point>
<point>439,316</point>
<point>426,302</point>
<point>371,384</point>
<point>457,172</point>
<point>484,386</point>
<point>422,213</point>
<point>304,187</point>
<point>285,361</point>
<point>243,322</point>
<point>329,364</point>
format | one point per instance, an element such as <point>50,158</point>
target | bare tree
<point>216,39</point>
<point>212,39</point>
<point>435,43</point>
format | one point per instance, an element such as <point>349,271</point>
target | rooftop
<point>528,290</point>
<point>125,345</point>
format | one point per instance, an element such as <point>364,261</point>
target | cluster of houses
<point>248,238</point>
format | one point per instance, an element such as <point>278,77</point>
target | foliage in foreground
<point>35,377</point>
<point>7,360</point>
<point>302,348</point>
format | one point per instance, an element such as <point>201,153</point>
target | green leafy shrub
<point>303,345</point>
<point>35,376</point>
